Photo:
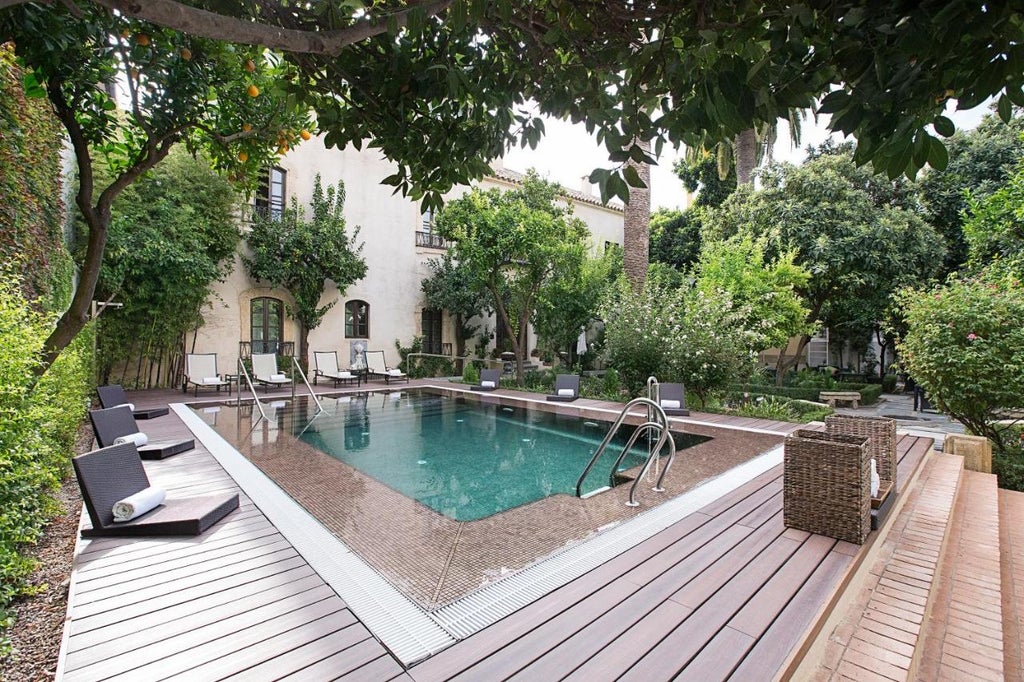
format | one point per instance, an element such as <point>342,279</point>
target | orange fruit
<point>250,65</point>
<point>186,54</point>
<point>253,91</point>
<point>305,134</point>
<point>246,127</point>
<point>243,157</point>
<point>142,39</point>
<point>283,148</point>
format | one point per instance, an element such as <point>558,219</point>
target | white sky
<point>566,154</point>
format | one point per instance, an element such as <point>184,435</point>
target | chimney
<point>585,186</point>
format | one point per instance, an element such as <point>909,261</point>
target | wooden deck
<point>726,592</point>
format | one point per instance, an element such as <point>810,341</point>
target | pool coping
<point>405,628</point>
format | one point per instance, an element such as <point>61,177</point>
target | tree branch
<point>205,24</point>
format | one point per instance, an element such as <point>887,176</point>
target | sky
<point>566,154</point>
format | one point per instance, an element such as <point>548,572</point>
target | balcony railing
<point>431,241</point>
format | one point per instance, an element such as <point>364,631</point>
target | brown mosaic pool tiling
<point>434,559</point>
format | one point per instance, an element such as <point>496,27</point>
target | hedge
<point>869,393</point>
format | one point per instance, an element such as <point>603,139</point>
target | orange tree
<point>178,89</point>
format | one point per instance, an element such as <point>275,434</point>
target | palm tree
<point>753,147</point>
<point>636,229</point>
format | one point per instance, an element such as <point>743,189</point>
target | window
<point>270,196</point>
<point>431,330</point>
<point>427,217</point>
<point>266,322</point>
<point>357,320</point>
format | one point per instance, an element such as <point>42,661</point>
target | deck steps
<point>878,624</point>
<point>1011,543</point>
<point>964,632</point>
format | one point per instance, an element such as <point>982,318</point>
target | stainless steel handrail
<point>650,404</point>
<point>295,365</point>
<point>651,458</point>
<point>243,372</point>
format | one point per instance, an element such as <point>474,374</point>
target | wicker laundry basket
<point>882,448</point>
<point>827,484</point>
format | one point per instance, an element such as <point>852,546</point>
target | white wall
<point>395,266</point>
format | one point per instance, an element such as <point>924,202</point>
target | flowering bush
<point>676,334</point>
<point>965,346</point>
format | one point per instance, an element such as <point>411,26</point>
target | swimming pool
<point>466,459</point>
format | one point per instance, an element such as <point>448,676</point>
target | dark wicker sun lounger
<point>113,395</point>
<point>111,474</point>
<point>489,380</point>
<point>675,395</point>
<point>112,423</point>
<point>563,384</point>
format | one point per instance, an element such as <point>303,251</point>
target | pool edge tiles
<point>406,629</point>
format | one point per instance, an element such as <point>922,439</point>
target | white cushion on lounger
<point>210,380</point>
<point>487,384</point>
<point>346,375</point>
<point>568,392</point>
<point>138,504</point>
<point>670,404</point>
<point>396,373</point>
<point>278,377</point>
<point>139,439</point>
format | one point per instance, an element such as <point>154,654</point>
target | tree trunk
<point>784,364</point>
<point>304,347</point>
<point>745,156</point>
<point>636,228</point>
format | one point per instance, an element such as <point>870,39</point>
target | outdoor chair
<point>113,395</point>
<point>327,367</point>
<point>111,474</point>
<point>567,388</point>
<point>201,372</point>
<point>672,398</point>
<point>115,423</point>
<point>264,370</point>
<point>490,379</point>
<point>377,366</point>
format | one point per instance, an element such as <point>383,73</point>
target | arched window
<point>357,320</point>
<point>266,324</point>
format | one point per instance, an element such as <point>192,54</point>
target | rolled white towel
<point>210,380</point>
<point>346,375</point>
<point>670,404</point>
<point>396,373</point>
<point>131,406</point>
<point>876,481</point>
<point>278,377</point>
<point>487,384</point>
<point>566,392</point>
<point>138,504</point>
<point>139,439</point>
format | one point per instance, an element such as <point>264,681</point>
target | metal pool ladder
<point>657,423</point>
<point>244,373</point>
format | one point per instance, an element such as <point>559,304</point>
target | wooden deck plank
<point>672,654</point>
<point>210,623</point>
<point>774,646</point>
<point>762,609</point>
<point>338,663</point>
<point>215,645</point>
<point>308,653</point>
<point>101,599</point>
<point>716,660</point>
<point>381,668</point>
<point>170,622</point>
<point>128,606</point>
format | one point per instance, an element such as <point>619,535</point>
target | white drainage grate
<point>489,604</point>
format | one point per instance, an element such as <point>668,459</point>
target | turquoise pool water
<point>462,458</point>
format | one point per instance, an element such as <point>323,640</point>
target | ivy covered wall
<point>31,210</point>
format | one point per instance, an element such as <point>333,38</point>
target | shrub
<point>889,383</point>
<point>38,426</point>
<point>470,374</point>
<point>678,334</point>
<point>965,346</point>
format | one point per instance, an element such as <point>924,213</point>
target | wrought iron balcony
<point>431,241</point>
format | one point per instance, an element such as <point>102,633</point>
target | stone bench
<point>832,397</point>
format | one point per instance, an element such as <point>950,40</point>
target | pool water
<point>465,459</point>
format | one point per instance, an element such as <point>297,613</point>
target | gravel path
<point>39,618</point>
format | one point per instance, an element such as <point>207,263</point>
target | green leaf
<point>943,126</point>
<point>938,156</point>
<point>1004,108</point>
